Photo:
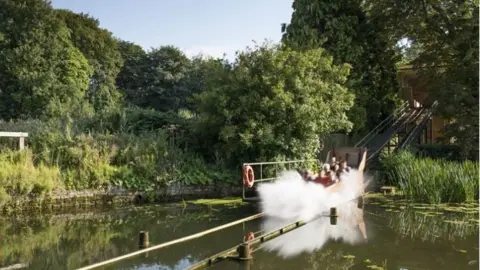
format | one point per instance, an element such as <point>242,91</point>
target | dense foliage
<point>349,35</point>
<point>103,112</point>
<point>101,51</point>
<point>62,155</point>
<point>273,103</point>
<point>41,72</point>
<point>443,45</point>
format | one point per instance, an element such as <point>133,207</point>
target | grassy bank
<point>71,156</point>
<point>432,180</point>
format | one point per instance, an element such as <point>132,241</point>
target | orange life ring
<point>248,176</point>
<point>250,236</point>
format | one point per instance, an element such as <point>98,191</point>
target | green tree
<point>41,72</point>
<point>131,79</point>
<point>445,35</point>
<point>202,74</point>
<point>165,79</point>
<point>345,31</point>
<point>273,103</point>
<point>101,49</point>
<point>408,51</point>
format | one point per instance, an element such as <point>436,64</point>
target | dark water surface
<point>396,236</point>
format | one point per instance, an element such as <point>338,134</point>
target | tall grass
<point>20,176</point>
<point>67,155</point>
<point>432,180</point>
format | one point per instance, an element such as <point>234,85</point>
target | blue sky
<point>212,27</point>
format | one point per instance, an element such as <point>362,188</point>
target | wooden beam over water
<point>20,135</point>
<point>13,134</point>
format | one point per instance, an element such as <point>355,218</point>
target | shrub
<point>19,175</point>
<point>76,159</point>
<point>432,180</point>
<point>441,151</point>
<point>273,104</point>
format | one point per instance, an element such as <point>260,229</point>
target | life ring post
<point>248,175</point>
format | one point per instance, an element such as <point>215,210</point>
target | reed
<point>20,176</point>
<point>431,180</point>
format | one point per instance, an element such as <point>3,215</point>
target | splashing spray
<point>290,197</point>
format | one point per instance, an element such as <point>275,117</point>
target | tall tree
<point>273,103</point>
<point>162,79</point>
<point>131,79</point>
<point>344,30</point>
<point>101,49</point>
<point>201,76</point>
<point>165,79</point>
<point>41,72</point>
<point>445,36</point>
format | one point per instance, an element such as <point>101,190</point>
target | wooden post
<point>360,202</point>
<point>333,220</point>
<point>21,143</point>
<point>244,252</point>
<point>333,216</point>
<point>143,240</point>
<point>247,265</point>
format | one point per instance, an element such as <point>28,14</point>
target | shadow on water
<point>399,236</point>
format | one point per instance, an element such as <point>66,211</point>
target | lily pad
<point>349,257</point>
<point>452,221</point>
<point>375,267</point>
<point>218,201</point>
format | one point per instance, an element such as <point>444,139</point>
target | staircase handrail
<point>413,133</point>
<point>387,120</point>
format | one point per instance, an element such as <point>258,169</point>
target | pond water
<point>386,235</point>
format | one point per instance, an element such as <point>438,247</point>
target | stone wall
<point>92,198</point>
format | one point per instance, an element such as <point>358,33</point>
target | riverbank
<point>85,199</point>
<point>65,166</point>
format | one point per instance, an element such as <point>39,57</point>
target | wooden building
<point>413,89</point>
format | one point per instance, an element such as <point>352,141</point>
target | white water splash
<point>290,197</point>
<point>350,229</point>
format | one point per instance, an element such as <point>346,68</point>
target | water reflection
<point>430,223</point>
<point>350,229</point>
<point>65,241</point>
<point>402,236</point>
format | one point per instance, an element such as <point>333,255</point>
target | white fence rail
<point>20,135</point>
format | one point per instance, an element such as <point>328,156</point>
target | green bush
<point>85,158</point>
<point>133,120</point>
<point>19,175</point>
<point>441,151</point>
<point>431,180</point>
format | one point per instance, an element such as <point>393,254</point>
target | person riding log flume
<point>329,174</point>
